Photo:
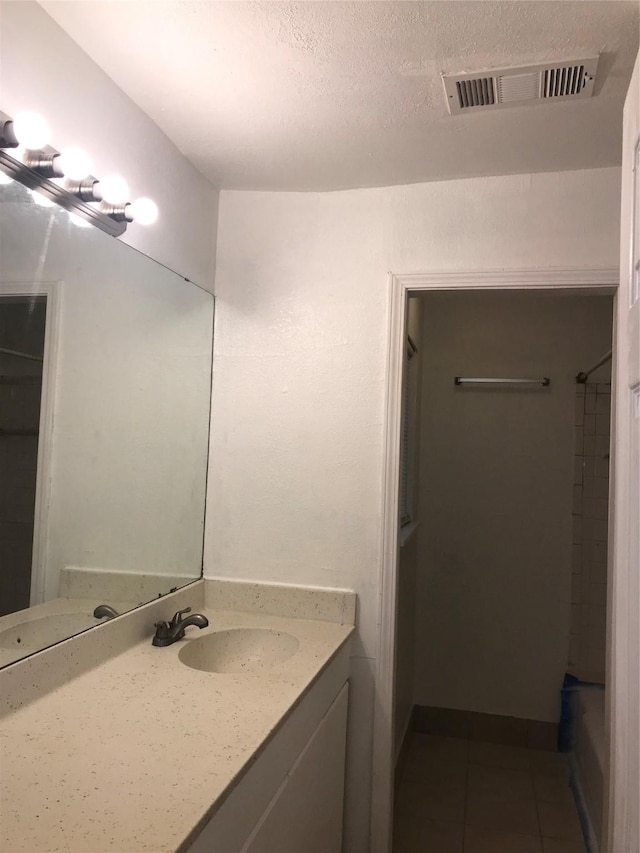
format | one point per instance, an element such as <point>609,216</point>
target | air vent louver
<point>476,93</point>
<point>517,86</point>
<point>560,82</point>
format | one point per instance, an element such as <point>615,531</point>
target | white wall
<point>299,359</point>
<point>131,411</point>
<point>496,472</point>
<point>42,69</point>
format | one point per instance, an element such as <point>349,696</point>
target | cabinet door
<point>305,816</point>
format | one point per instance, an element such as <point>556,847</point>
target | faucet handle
<point>162,628</point>
<point>177,617</point>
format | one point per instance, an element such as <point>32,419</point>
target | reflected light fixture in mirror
<point>40,167</point>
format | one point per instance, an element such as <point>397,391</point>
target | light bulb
<point>40,199</point>
<point>74,163</point>
<point>5,179</point>
<point>31,130</point>
<point>79,221</point>
<point>114,189</point>
<point>144,211</point>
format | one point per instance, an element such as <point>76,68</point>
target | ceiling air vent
<point>509,87</point>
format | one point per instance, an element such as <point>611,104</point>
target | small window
<point>409,433</point>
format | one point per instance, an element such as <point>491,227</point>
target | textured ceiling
<point>331,95</point>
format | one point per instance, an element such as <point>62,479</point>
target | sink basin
<point>239,650</point>
<point>45,630</point>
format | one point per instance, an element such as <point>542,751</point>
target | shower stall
<point>587,661</point>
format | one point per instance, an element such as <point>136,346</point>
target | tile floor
<point>460,796</point>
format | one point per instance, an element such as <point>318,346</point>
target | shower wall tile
<point>601,466</point>
<point>579,617</point>
<point>590,529</point>
<point>600,529</point>
<point>577,529</point>
<point>574,650</point>
<point>577,499</point>
<point>601,488</point>
<point>577,589</point>
<point>594,508</point>
<point>601,508</point>
<point>597,572</point>
<point>598,594</point>
<point>596,660</point>
<point>578,467</point>
<point>596,488</point>
<point>576,559</point>
<point>596,618</point>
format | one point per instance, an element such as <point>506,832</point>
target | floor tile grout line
<point>466,800</point>
<point>535,800</point>
<point>532,769</point>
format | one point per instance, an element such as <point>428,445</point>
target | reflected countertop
<point>48,623</point>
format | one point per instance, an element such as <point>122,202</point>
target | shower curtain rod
<point>582,376</point>
<point>18,354</point>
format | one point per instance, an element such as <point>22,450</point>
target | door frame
<point>591,281</point>
<point>51,291</point>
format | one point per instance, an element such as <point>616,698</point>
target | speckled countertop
<point>134,754</point>
<point>76,616</point>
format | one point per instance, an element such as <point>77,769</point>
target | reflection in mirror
<point>105,382</point>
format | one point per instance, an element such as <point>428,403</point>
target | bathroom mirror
<point>105,383</point>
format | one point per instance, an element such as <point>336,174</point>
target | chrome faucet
<point>105,610</point>
<point>168,632</point>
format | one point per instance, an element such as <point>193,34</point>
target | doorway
<point>29,324</point>
<point>558,281</point>
<point>22,341</point>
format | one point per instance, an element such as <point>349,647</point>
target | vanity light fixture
<point>144,210</point>
<point>74,163</point>
<point>64,177</point>
<point>31,131</point>
<point>114,189</point>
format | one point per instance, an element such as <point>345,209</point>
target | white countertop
<point>50,630</point>
<point>133,755</point>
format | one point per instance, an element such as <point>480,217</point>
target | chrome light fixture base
<point>64,179</point>
<point>73,200</point>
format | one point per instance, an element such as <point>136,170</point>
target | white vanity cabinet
<point>306,813</point>
<point>290,800</point>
